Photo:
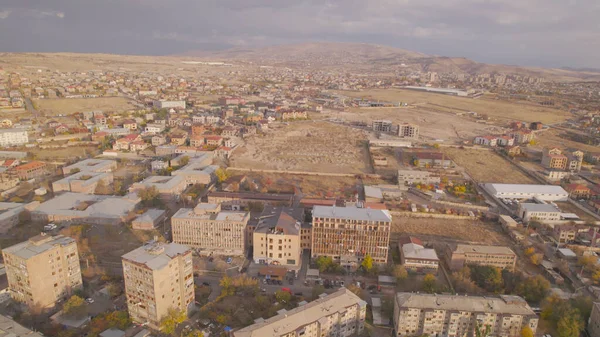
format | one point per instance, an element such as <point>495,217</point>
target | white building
<point>457,315</point>
<point>525,191</point>
<point>409,177</point>
<point>10,137</point>
<point>162,104</point>
<point>538,212</point>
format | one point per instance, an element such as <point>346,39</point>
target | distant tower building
<point>433,77</point>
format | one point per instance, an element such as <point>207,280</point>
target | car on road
<point>229,260</point>
<point>206,284</point>
<point>291,281</point>
<point>89,300</point>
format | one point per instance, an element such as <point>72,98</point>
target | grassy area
<point>487,167</point>
<point>484,106</point>
<point>70,106</point>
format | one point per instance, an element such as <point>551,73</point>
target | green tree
<point>170,322</point>
<point>367,263</point>
<point>429,283</point>
<point>533,289</point>
<point>283,296</point>
<point>400,273</point>
<point>584,305</point>
<point>570,324</point>
<point>192,333</point>
<point>149,195</point>
<point>221,175</point>
<point>354,289</point>
<point>587,262</point>
<point>526,332</point>
<point>75,306</point>
<point>487,277</point>
<point>324,263</point>
<point>184,161</point>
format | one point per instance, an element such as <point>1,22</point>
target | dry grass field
<point>73,105</point>
<point>435,230</point>
<point>487,167</point>
<point>487,105</point>
<point>551,138</point>
<point>315,146</point>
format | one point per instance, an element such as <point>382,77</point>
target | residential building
<point>567,233</point>
<point>91,165</point>
<point>169,187</point>
<point>33,169</point>
<point>82,182</point>
<point>593,327</point>
<point>125,142</point>
<point>575,160</point>
<point>277,236</point>
<point>158,277</point>
<point>578,191</point>
<point>522,136</point>
<point>414,256</point>
<point>527,191</point>
<point>159,140</point>
<point>290,114</point>
<point>130,124</point>
<point>529,211</point>
<point>459,256</point>
<point>506,141</point>
<point>486,140</point>
<point>11,137</point>
<point>154,128</point>
<point>349,231</point>
<point>514,150</point>
<point>178,138</point>
<point>306,236</point>
<point>536,126</point>
<point>210,230</point>
<point>9,215</point>
<point>163,104</point>
<point>340,314</point>
<point>382,126</point>
<point>42,270</point>
<point>458,315</point>
<point>409,177</point>
<point>408,131</point>
<point>198,170</point>
<point>554,159</point>
<point>213,140</point>
<point>239,200</point>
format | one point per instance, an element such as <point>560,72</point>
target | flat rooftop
<point>92,165</point>
<point>37,245</point>
<point>351,213</point>
<point>296,318</point>
<point>500,305</point>
<point>483,249</point>
<point>99,206</point>
<point>189,213</point>
<point>156,255</point>
<point>10,328</point>
<point>525,189</point>
<point>533,207</point>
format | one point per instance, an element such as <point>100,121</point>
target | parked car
<point>229,260</point>
<point>89,300</point>
<point>206,284</point>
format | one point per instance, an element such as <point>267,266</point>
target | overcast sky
<point>527,32</point>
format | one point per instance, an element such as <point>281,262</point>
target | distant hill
<point>379,58</point>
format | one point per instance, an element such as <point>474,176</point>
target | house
<point>567,233</point>
<point>522,136</point>
<point>514,150</point>
<point>197,141</point>
<point>197,130</point>
<point>61,129</point>
<point>179,138</point>
<point>291,114</point>
<point>414,256</point>
<point>223,152</point>
<point>486,140</point>
<point>506,141</point>
<point>536,126</point>
<point>139,145</point>
<point>262,125</point>
<point>578,191</point>
<point>159,140</point>
<point>229,131</point>
<point>214,140</point>
<point>53,124</point>
<point>31,170</point>
<point>124,143</point>
<point>130,124</point>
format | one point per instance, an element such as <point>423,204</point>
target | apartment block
<point>593,327</point>
<point>567,233</point>
<point>277,237</point>
<point>408,131</point>
<point>340,314</point>
<point>454,315</point>
<point>460,256</point>
<point>42,270</point>
<point>343,232</point>
<point>382,126</point>
<point>158,277</point>
<point>554,159</point>
<point>10,137</point>
<point>210,230</point>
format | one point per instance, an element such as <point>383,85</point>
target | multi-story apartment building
<point>277,236</point>
<point>306,236</point>
<point>158,277</point>
<point>42,270</point>
<point>9,137</point>
<point>210,230</point>
<point>575,160</point>
<point>341,232</point>
<point>554,159</point>
<point>340,314</point>
<point>567,233</point>
<point>408,131</point>
<point>454,315</point>
<point>463,255</point>
<point>593,327</point>
<point>382,126</point>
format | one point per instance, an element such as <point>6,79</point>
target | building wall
<point>211,236</point>
<point>14,137</point>
<point>594,321</point>
<point>335,237</point>
<point>279,249</point>
<point>408,131</point>
<point>151,293</point>
<point>44,278</point>
<point>458,260</point>
<point>306,238</point>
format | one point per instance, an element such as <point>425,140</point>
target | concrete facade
<point>158,277</point>
<point>42,270</point>
<point>277,237</point>
<point>460,256</point>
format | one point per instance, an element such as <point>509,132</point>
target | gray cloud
<point>532,32</point>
